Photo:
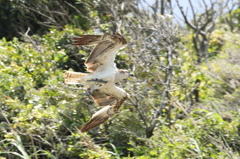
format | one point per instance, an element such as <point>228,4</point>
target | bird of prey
<point>102,77</point>
<point>104,93</point>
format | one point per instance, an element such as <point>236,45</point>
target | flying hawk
<point>104,93</point>
<point>104,74</point>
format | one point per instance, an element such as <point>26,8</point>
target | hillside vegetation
<point>184,98</point>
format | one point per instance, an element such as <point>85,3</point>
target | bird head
<point>122,39</point>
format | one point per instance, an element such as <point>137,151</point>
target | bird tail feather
<point>74,77</point>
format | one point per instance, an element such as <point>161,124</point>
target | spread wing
<point>105,51</point>
<point>101,98</point>
<point>102,51</point>
<point>98,118</point>
<point>104,114</point>
<point>105,44</point>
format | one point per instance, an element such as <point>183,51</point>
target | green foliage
<point>36,107</point>
<point>231,20</point>
<point>40,115</point>
<point>202,135</point>
<point>17,16</point>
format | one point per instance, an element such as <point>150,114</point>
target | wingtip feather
<point>93,123</point>
<point>86,40</point>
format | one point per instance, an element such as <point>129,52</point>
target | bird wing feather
<point>94,60</point>
<point>98,118</point>
<point>105,113</point>
<point>105,49</point>
<point>87,40</point>
<point>101,98</point>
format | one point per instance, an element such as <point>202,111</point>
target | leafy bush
<point>177,108</point>
<point>202,135</point>
<point>39,114</point>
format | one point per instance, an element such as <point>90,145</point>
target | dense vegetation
<point>184,97</point>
